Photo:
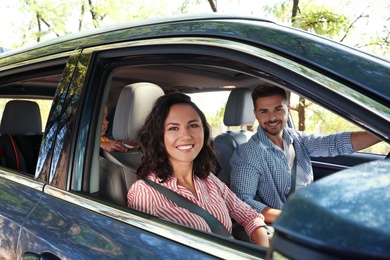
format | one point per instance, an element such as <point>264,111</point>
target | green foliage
<point>319,19</point>
<point>216,121</point>
<point>48,19</point>
<point>322,21</point>
<point>186,6</point>
<point>281,11</point>
<point>44,18</point>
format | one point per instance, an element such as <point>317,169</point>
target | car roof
<point>364,72</point>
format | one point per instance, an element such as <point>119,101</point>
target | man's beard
<point>272,130</point>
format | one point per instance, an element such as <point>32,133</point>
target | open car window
<point>315,119</point>
<point>44,107</point>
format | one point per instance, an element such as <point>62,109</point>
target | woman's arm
<point>260,237</point>
<point>245,215</point>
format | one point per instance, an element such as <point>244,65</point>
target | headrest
<point>239,108</point>
<point>21,117</point>
<point>134,104</point>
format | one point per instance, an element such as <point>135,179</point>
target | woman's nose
<point>186,135</point>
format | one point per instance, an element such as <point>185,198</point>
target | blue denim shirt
<point>260,168</point>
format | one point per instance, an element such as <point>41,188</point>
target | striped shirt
<point>213,196</point>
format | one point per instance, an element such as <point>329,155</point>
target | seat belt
<point>293,178</point>
<point>214,224</point>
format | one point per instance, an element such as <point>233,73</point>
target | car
<point>62,198</point>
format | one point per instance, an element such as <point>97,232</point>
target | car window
<point>318,120</point>
<point>44,106</point>
<point>213,106</point>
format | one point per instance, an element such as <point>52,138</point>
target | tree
<point>314,18</point>
<point>44,19</point>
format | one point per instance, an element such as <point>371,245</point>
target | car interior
<point>132,92</point>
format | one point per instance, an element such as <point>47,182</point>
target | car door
<point>17,201</point>
<point>69,222</point>
<point>56,228</point>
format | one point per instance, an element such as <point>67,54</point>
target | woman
<point>176,152</point>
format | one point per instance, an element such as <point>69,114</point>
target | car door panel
<point>73,232</point>
<point>325,166</point>
<point>16,203</point>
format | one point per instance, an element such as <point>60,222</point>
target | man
<point>261,168</point>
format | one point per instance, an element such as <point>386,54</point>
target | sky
<point>11,18</point>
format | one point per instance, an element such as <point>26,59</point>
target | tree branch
<point>81,16</point>
<point>350,26</point>
<point>213,5</point>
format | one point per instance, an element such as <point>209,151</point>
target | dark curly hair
<point>152,147</point>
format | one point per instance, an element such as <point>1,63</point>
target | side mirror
<point>343,216</point>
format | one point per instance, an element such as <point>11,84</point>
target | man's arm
<point>362,140</point>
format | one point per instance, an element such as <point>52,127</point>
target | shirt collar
<point>267,142</point>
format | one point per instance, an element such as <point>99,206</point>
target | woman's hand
<point>260,237</point>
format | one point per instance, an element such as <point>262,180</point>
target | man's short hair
<point>267,90</point>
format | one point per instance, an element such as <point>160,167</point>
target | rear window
<point>44,106</point>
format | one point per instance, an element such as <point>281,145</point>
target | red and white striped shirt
<point>213,196</point>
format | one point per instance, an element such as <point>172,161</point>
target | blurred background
<point>361,24</point>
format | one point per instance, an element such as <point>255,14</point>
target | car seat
<point>134,104</point>
<point>238,112</point>
<point>21,135</point>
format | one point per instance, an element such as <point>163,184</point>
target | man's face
<point>272,114</point>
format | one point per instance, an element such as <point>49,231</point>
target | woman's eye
<point>173,128</point>
<point>194,125</point>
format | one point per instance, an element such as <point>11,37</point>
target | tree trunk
<point>301,114</point>
<point>294,10</point>
<point>213,5</point>
<point>301,105</point>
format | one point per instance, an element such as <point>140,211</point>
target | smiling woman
<point>180,158</point>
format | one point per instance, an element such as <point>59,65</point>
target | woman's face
<point>183,134</point>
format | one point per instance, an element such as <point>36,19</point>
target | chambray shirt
<point>259,167</point>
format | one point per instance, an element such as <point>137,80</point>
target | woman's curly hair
<point>152,147</point>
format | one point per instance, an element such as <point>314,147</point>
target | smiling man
<point>275,162</point>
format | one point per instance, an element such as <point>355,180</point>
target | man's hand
<point>270,214</point>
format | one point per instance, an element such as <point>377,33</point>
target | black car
<point>61,198</point>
